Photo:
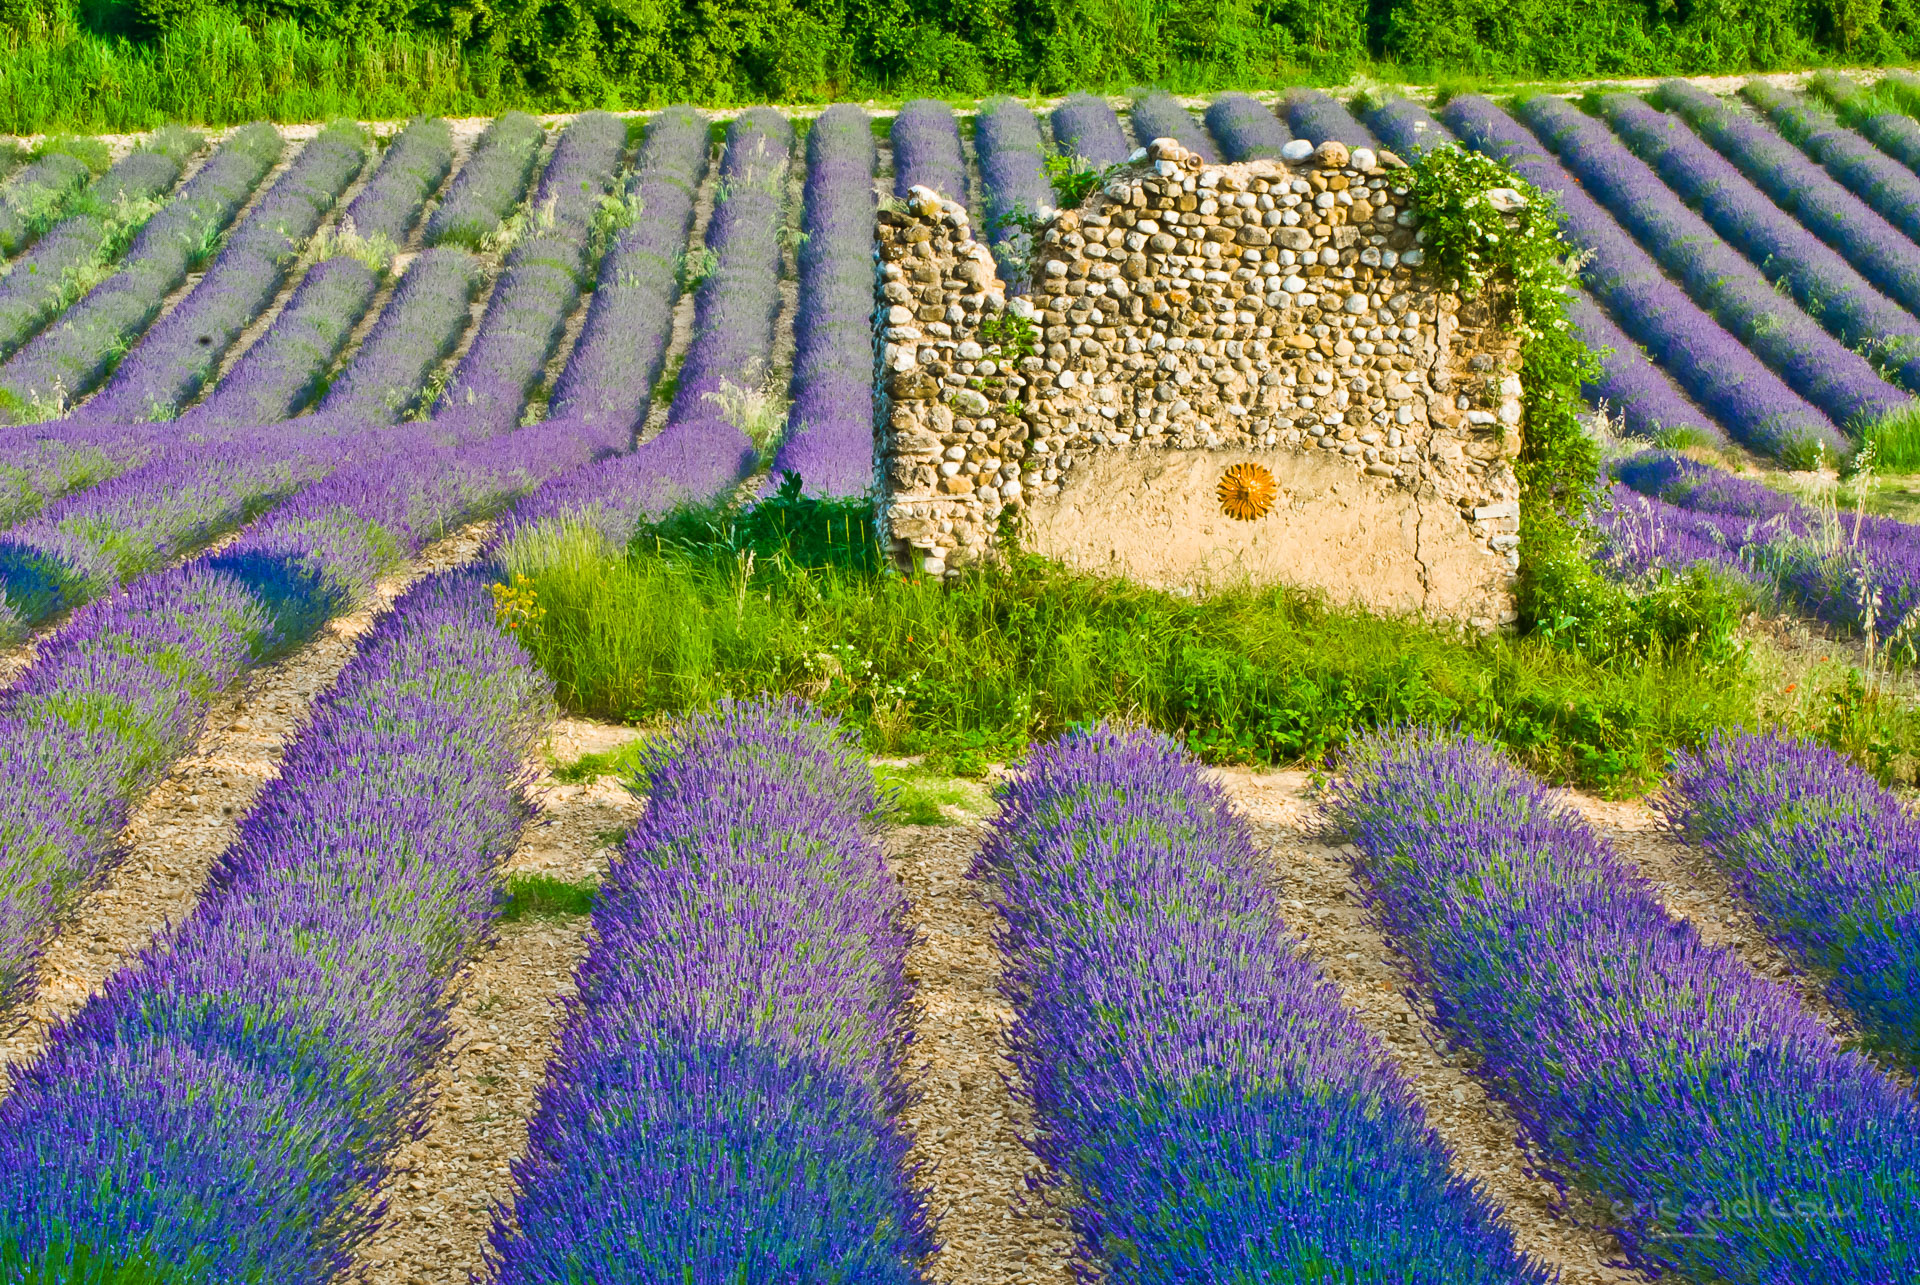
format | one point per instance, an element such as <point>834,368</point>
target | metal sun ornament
<point>1247,491</point>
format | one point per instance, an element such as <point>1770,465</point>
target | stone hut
<point>1212,374</point>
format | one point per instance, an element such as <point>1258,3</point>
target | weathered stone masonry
<point>1185,320</point>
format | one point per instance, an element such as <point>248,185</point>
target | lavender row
<point>1860,572</point>
<point>1818,367</point>
<point>34,196</point>
<point>489,184</point>
<point>1157,114</point>
<point>76,352</point>
<point>829,439</point>
<point>114,208</point>
<point>1246,128</point>
<point>1727,381</point>
<point>1829,861</point>
<point>1715,1121</point>
<point>165,370</point>
<point>224,1109</point>
<point>1822,281</point>
<point>1650,405</point>
<point>701,451</point>
<point>284,368</point>
<point>1642,537</point>
<point>1882,253</point>
<point>1206,1106</point>
<point>613,368</point>
<point>721,380</point>
<point>723,1102</point>
<point>416,162</point>
<point>1319,118</point>
<point>541,285</point>
<point>1013,179</point>
<point>282,371</point>
<point>1086,127</point>
<point>1876,178</point>
<point>926,150</point>
<point>420,326</point>
<point>1893,132</point>
<point>118,692</point>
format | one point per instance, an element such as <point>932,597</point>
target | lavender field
<point>339,943</point>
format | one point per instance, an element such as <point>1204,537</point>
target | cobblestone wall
<point>1214,373</point>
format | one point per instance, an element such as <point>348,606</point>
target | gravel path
<point>966,1124</point>
<point>444,1186</point>
<point>176,832</point>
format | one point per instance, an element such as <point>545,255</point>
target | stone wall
<point>1215,374</point>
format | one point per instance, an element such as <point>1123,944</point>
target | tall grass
<point>217,71</point>
<point>972,670</point>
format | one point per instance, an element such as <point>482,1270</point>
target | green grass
<point>969,672</point>
<point>916,795</point>
<point>1895,439</point>
<point>623,762</point>
<point>546,897</point>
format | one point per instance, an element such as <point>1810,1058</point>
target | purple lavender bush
<point>1246,128</point>
<point>34,197</point>
<point>420,326</point>
<point>223,1109</point>
<point>1882,253</point>
<point>1205,1104</point>
<point>1319,117</point>
<point>1641,536</point>
<point>829,439</point>
<point>171,363</point>
<point>1157,114</point>
<point>1086,127</point>
<point>1876,178</point>
<point>411,169</point>
<point>1406,127</point>
<point>102,220</point>
<point>1726,380</point>
<point>1650,405</point>
<point>1816,365</point>
<point>723,1104</point>
<point>1828,859</point>
<point>545,272</point>
<point>612,370</point>
<point>1893,132</point>
<point>70,357</point>
<point>282,371</point>
<point>1824,284</point>
<point>926,150</point>
<point>1014,179</point>
<point>1727,1135</point>
<point>489,184</point>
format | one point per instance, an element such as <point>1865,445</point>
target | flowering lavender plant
<point>34,196</point>
<point>926,150</point>
<point>414,165</point>
<point>1157,114</point>
<point>615,365</point>
<point>1086,127</point>
<point>1650,405</point>
<point>1816,365</point>
<point>222,1110</point>
<point>1822,281</point>
<point>1246,128</point>
<point>1876,178</point>
<point>422,322</point>
<point>829,440</point>
<point>1829,861</point>
<point>489,184</point>
<point>1727,381</point>
<point>1882,253</point>
<point>1200,1095</point>
<point>74,354</point>
<point>1725,1133</point>
<point>1014,179</point>
<point>722,1105</point>
<point>1407,127</point>
<point>1319,117</point>
<point>58,269</point>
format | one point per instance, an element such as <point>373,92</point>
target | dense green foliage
<point>93,64</point>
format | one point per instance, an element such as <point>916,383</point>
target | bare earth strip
<point>1322,904</point>
<point>966,1126</point>
<point>175,834</point>
<point>444,1186</point>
